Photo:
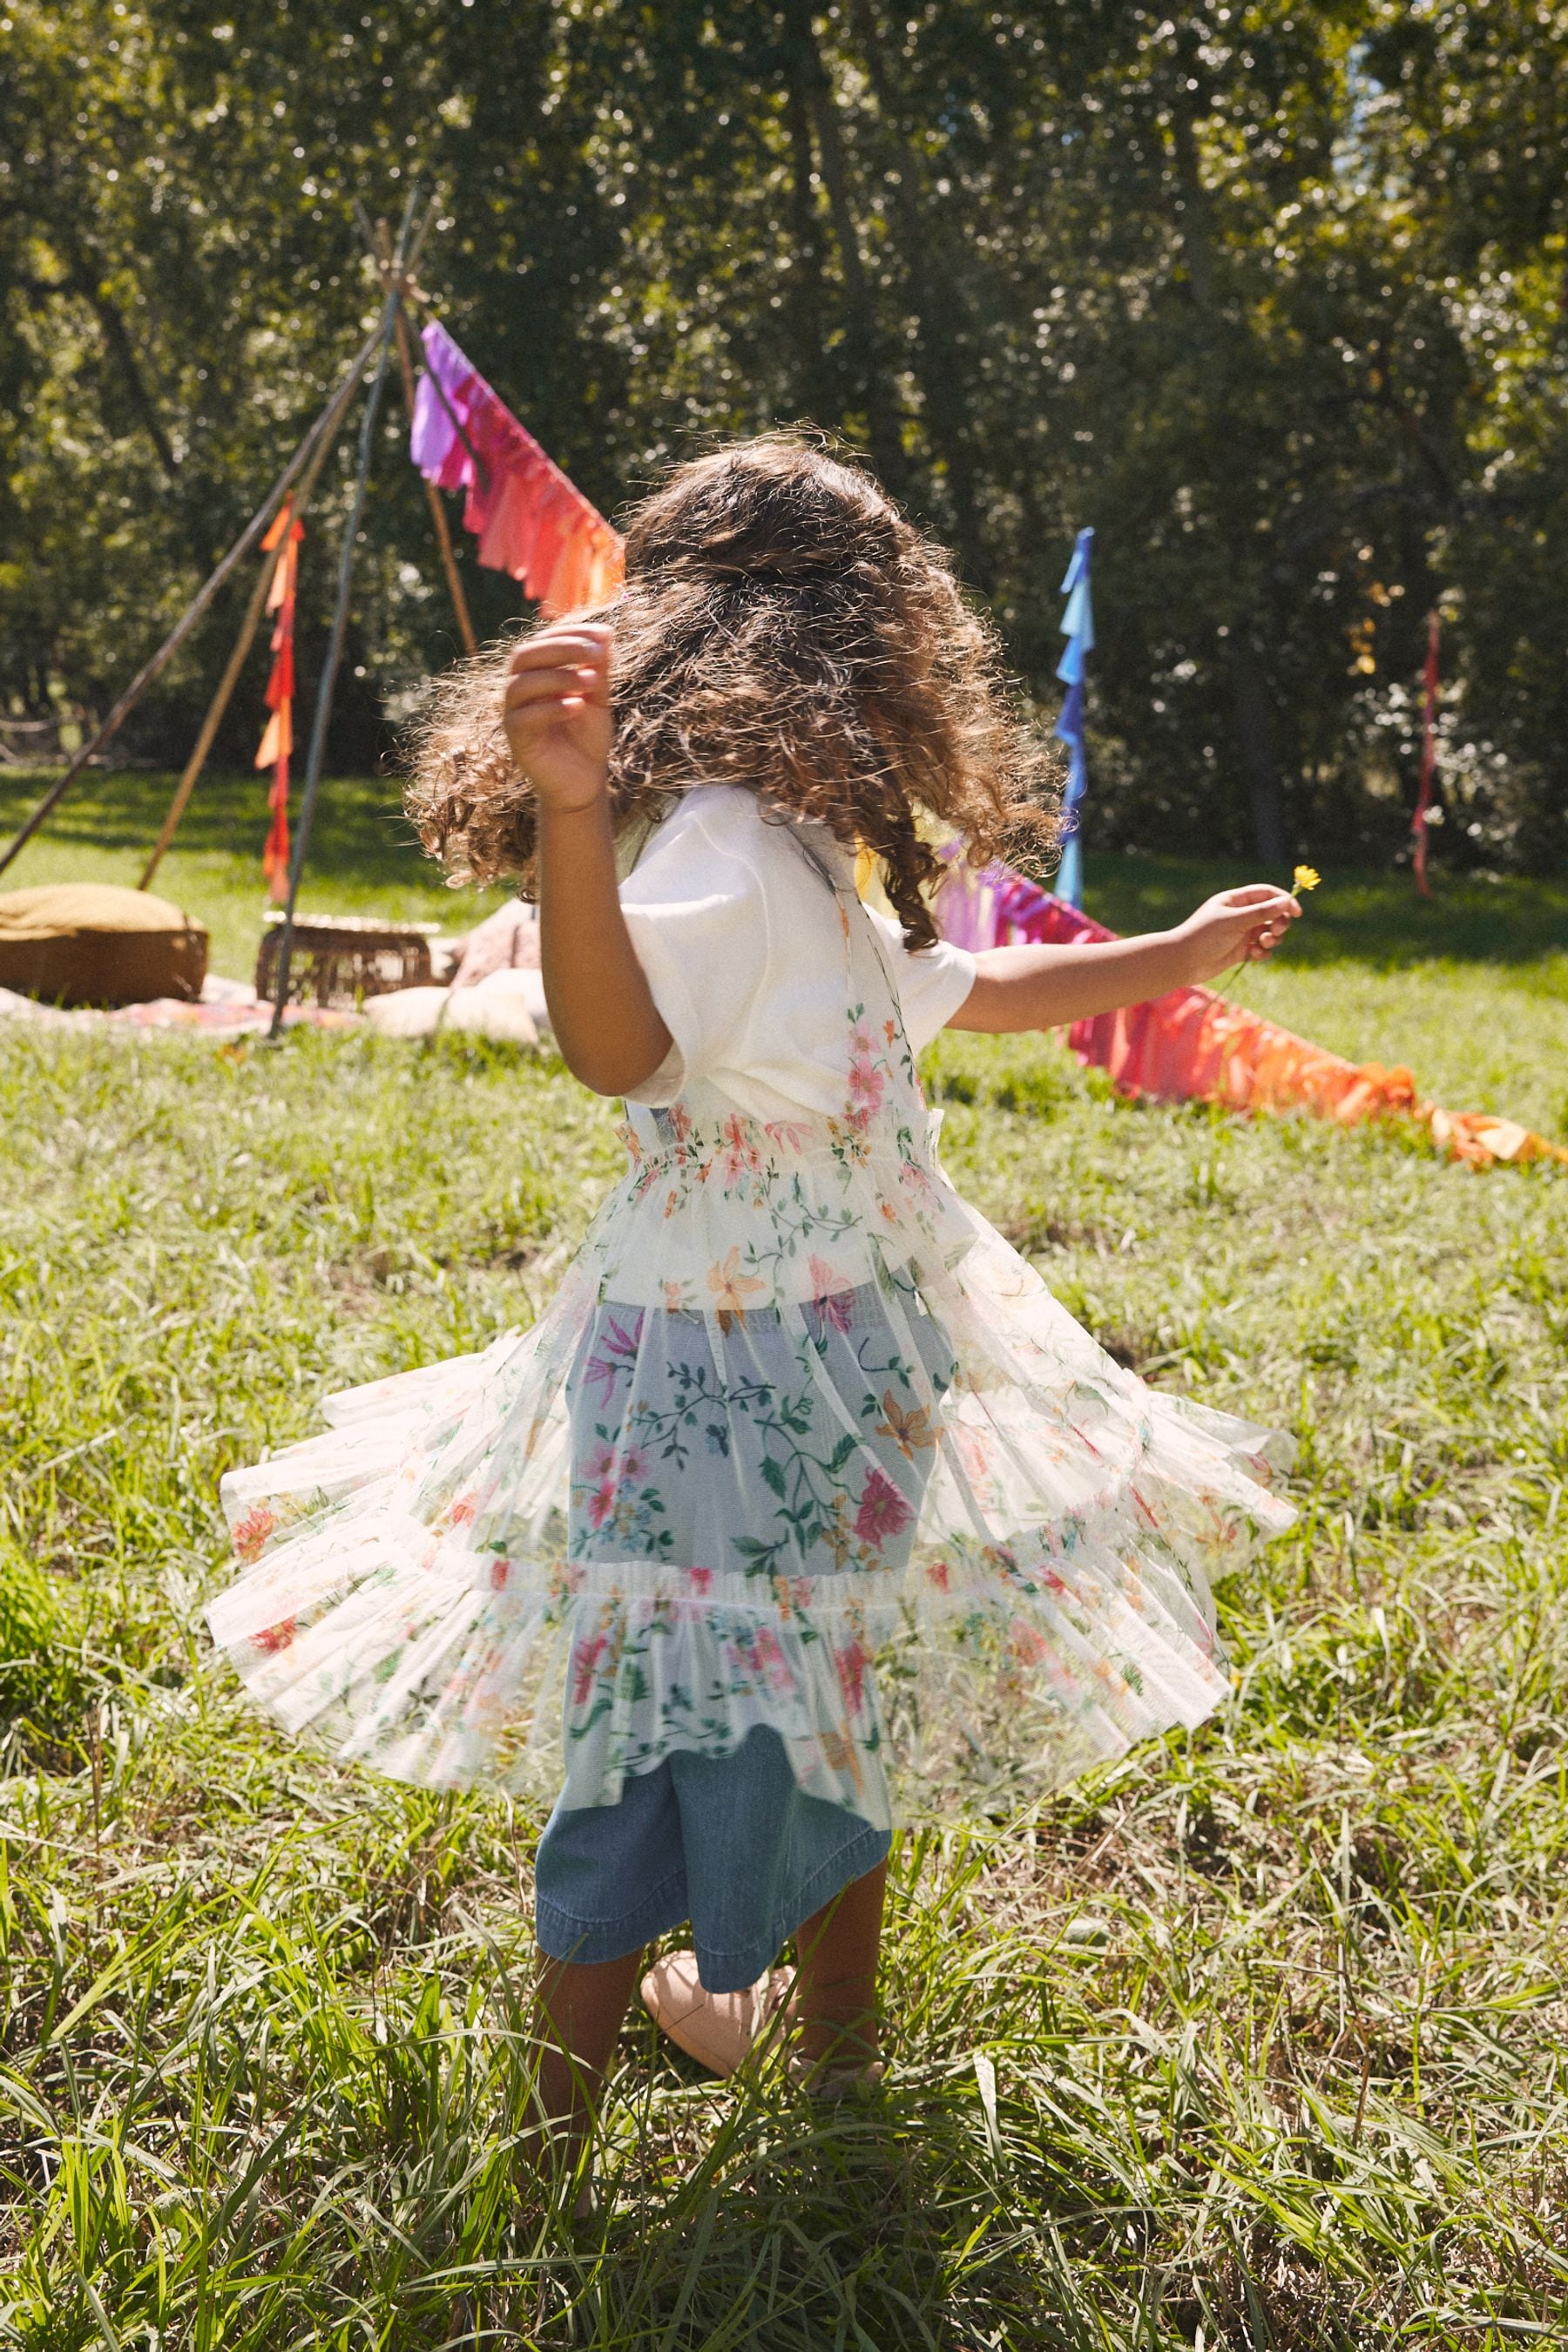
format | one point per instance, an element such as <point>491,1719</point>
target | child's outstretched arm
<point>557,718</point>
<point>1046,987</point>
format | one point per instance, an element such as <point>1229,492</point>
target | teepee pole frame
<point>325,423</point>
<point>378,244</point>
<point>381,343</point>
<point>230,678</point>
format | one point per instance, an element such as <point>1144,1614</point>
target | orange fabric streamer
<point>278,742</point>
<point>1195,1046</point>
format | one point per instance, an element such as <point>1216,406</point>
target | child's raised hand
<point>1234,927</point>
<point>556,713</point>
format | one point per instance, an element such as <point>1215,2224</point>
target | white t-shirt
<point>740,939</point>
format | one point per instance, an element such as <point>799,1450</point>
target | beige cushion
<point>482,1013</point>
<point>524,986</point>
<point>404,1012</point>
<point>493,1013</point>
<point>96,943</point>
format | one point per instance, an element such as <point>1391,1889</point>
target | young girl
<point>802,1462</point>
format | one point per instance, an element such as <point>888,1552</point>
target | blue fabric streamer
<point>1078,564</point>
<point>1078,621</point>
<point>1078,627</point>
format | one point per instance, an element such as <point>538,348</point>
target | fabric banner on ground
<point>530,521</point>
<point>1193,1045</point>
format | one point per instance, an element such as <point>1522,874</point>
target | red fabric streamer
<point>278,742</point>
<point>1428,750</point>
<point>1193,1044</point>
<point>530,519</point>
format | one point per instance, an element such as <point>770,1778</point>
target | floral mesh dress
<point>799,1444</point>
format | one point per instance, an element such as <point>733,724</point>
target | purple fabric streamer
<point>433,441</point>
<point>986,910</point>
<point>433,432</point>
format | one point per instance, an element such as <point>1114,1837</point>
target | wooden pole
<point>340,622</point>
<point>1428,748</point>
<point>327,421</point>
<point>211,723</point>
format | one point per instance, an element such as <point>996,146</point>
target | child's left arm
<point>1046,987</point>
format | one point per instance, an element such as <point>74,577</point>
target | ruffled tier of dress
<point>1001,1575</point>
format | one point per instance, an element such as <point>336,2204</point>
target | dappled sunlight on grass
<point>1259,2031</point>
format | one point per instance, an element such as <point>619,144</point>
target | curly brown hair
<point>782,627</point>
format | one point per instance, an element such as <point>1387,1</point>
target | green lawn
<point>1260,2034</point>
<point>1469,990</point>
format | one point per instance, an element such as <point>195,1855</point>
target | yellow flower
<point>1305,877</point>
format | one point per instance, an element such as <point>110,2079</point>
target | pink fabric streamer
<point>1193,1045</point>
<point>530,519</point>
<point>1147,1048</point>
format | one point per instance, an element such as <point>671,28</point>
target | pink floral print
<point>883,1511</point>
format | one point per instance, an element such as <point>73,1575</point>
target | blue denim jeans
<point>728,1842</point>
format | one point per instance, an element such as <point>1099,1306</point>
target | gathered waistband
<point>744,1146</point>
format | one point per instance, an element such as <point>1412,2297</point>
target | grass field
<point>1255,2039</point>
<point>1471,990</point>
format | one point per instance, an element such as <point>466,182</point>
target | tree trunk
<point>882,423</point>
<point>805,290</point>
<point>1258,741</point>
<point>939,321</point>
<point>1252,704</point>
<point>86,282</point>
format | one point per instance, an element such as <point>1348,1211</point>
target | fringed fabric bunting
<point>1078,627</point>
<point>1428,750</point>
<point>531,521</point>
<point>278,742</point>
<point>1193,1044</point>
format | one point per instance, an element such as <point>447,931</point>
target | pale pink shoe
<point>719,2030</point>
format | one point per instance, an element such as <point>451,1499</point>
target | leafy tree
<point>1272,295</point>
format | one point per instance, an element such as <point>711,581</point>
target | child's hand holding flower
<point>556,713</point>
<point>1237,927</point>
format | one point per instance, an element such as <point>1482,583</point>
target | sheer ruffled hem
<point>1020,1662</point>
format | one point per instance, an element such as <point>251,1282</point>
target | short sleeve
<point>933,982</point>
<point>698,922</point>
